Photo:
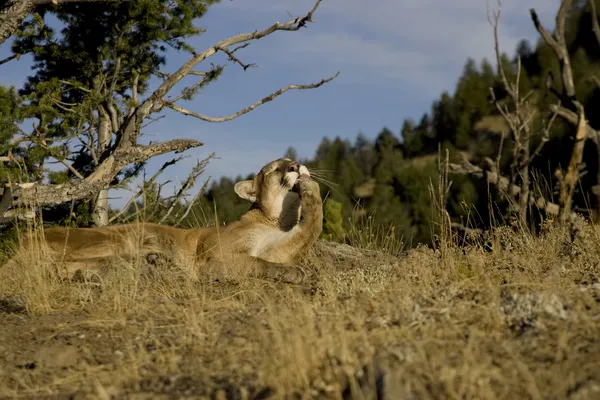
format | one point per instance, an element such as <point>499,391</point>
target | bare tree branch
<point>519,121</point>
<point>572,117</point>
<point>232,57</point>
<point>246,110</point>
<point>124,150</point>
<point>193,201</point>
<point>558,44</point>
<point>495,25</point>
<point>48,194</point>
<point>187,90</point>
<point>157,97</point>
<point>466,230</point>
<point>140,192</point>
<point>492,177</point>
<point>572,176</point>
<point>595,25</point>
<point>189,182</point>
<point>545,137</point>
<point>9,58</point>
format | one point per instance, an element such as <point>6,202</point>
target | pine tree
<point>89,92</point>
<point>10,118</point>
<point>291,153</point>
<point>365,155</point>
<point>444,120</point>
<point>85,74</point>
<point>333,228</point>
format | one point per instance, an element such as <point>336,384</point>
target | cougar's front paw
<point>307,187</point>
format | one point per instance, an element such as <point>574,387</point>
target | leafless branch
<point>572,117</point>
<point>558,44</point>
<point>595,25</point>
<point>467,230</point>
<point>125,149</point>
<point>232,57</point>
<point>134,91</point>
<point>466,168</point>
<point>48,194</point>
<point>246,110</point>
<point>191,203</point>
<point>242,46</point>
<point>157,97</point>
<point>519,122</point>
<point>545,137</point>
<point>146,184</point>
<point>152,120</point>
<point>572,175</point>
<point>9,58</point>
<point>187,90</point>
<point>495,22</point>
<point>189,182</point>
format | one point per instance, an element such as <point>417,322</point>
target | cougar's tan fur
<point>283,222</point>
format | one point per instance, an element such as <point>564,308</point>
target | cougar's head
<point>273,189</point>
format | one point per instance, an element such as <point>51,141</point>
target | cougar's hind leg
<point>255,267</point>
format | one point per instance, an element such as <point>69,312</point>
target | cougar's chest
<point>264,241</point>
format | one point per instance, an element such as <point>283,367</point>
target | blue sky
<point>395,58</point>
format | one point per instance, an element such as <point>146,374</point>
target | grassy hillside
<point>516,318</point>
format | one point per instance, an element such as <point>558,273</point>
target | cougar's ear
<point>245,189</point>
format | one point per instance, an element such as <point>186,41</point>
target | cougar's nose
<point>294,167</point>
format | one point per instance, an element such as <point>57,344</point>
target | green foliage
<point>291,153</point>
<point>379,183</point>
<point>384,183</point>
<point>91,62</point>
<point>10,117</point>
<point>333,228</point>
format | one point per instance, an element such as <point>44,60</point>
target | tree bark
<point>12,15</point>
<point>524,173</point>
<point>125,150</point>
<point>100,205</point>
<point>50,194</point>
<point>509,190</point>
<point>571,178</point>
<point>14,12</point>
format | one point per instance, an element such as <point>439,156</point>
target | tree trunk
<point>524,172</point>
<point>100,210</point>
<point>12,14</point>
<point>571,178</point>
<point>595,212</point>
<point>100,206</point>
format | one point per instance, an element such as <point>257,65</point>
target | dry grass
<point>520,321</point>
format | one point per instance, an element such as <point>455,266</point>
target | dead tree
<point>568,180</point>
<point>519,117</point>
<point>518,114</point>
<point>126,129</point>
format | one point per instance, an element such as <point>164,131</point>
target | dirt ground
<point>519,321</point>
